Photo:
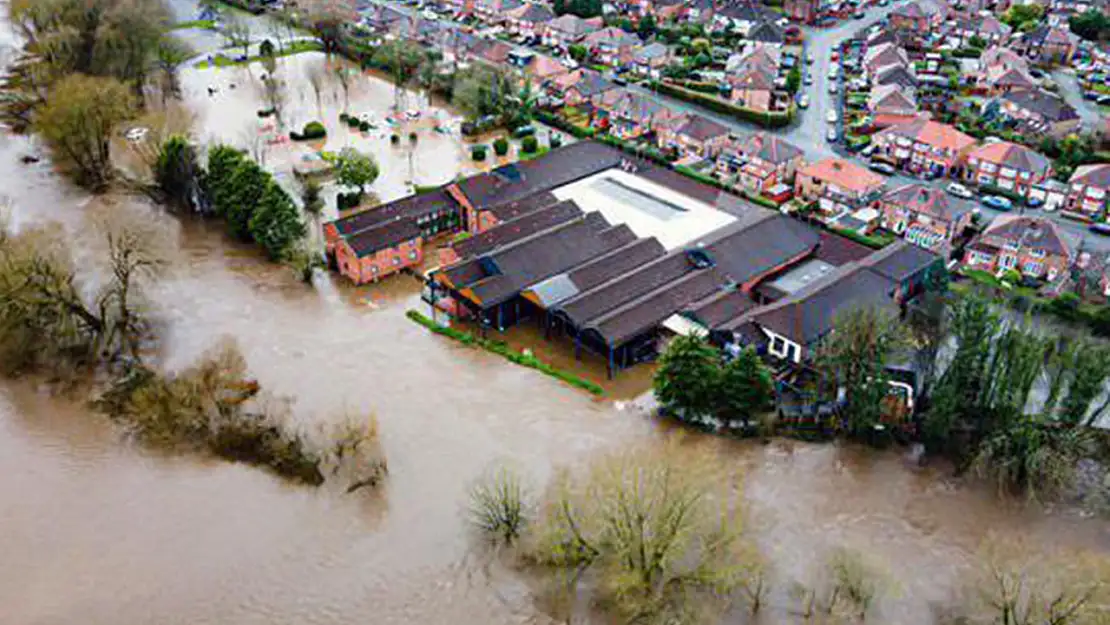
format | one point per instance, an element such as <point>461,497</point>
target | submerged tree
<point>177,173</point>
<point>659,534</point>
<point>687,379</point>
<point>78,122</point>
<point>356,170</point>
<point>856,355</point>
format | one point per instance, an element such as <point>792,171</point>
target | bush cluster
<point>312,131</point>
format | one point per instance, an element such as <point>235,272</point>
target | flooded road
<point>96,531</point>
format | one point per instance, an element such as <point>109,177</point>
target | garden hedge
<point>312,130</point>
<point>713,103</point>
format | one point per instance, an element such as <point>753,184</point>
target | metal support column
<point>609,367</point>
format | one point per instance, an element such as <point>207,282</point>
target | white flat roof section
<point>649,209</point>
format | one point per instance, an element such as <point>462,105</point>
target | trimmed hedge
<point>478,152</point>
<point>346,201</point>
<point>502,349</point>
<point>766,120</point>
<point>558,122</point>
<point>530,144</point>
<point>501,146</point>
<point>312,130</point>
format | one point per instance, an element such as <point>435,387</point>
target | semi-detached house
<point>1008,166</point>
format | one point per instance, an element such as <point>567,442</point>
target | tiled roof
<point>752,248</point>
<point>701,128</point>
<point>518,228</point>
<point>384,235</point>
<point>891,100</point>
<point>1047,105</point>
<point>843,174</point>
<point>1012,155</point>
<point>411,206</point>
<point>1095,175</point>
<point>720,307</point>
<point>613,36</point>
<point>895,75</point>
<point>901,260</point>
<point>1033,232</point>
<point>931,133</point>
<point>534,13</point>
<point>770,148</point>
<point>924,199</point>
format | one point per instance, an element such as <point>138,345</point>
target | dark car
<point>1100,228</point>
<point>883,168</point>
<point>1103,100</point>
<point>859,15</point>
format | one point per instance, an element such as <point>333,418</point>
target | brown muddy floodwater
<point>94,531</point>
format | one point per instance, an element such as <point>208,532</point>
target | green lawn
<point>296,47</point>
<point>205,24</point>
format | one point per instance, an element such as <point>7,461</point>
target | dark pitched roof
<point>412,206</point>
<point>517,228</point>
<point>509,269</point>
<point>838,250</point>
<point>383,235</point>
<point>649,310</point>
<point>511,210</point>
<point>896,75</point>
<point>1097,175</point>
<point>1050,106</point>
<point>767,32</point>
<point>603,297</point>
<point>1033,232</point>
<point>556,168</point>
<point>592,83</point>
<point>810,313</point>
<point>720,307</point>
<point>536,13</point>
<point>901,260</point>
<point>750,249</point>
<point>701,128</point>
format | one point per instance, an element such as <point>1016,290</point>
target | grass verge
<point>296,47</point>
<point>502,349</point>
<point>204,24</point>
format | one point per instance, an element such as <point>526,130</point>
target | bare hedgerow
<point>499,506</point>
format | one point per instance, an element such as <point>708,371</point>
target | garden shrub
<point>395,138</point>
<point>312,130</point>
<point>501,146</point>
<point>478,152</point>
<point>555,141</point>
<point>364,126</point>
<point>529,144</point>
<point>345,201</point>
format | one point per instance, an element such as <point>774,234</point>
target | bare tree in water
<point>315,75</point>
<point>237,33</point>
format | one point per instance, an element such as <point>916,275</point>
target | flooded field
<point>96,531</point>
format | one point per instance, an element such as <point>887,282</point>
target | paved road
<point>1088,111</point>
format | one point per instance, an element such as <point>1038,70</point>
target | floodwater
<point>94,530</point>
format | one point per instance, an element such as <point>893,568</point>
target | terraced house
<point>1008,166</point>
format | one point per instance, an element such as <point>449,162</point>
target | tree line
<point>1006,399</point>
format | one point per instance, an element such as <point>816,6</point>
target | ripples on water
<point>95,531</point>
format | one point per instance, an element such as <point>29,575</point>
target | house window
<point>1008,261</point>
<point>373,269</point>
<point>1036,253</point>
<point>778,345</point>
<point>1032,268</point>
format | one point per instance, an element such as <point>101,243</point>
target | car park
<point>959,190</point>
<point>997,202</point>
<point>885,169</point>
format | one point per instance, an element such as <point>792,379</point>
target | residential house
<point>1001,70</point>
<point>924,215</point>
<point>1042,112</point>
<point>1032,246</point>
<point>629,115</point>
<point>761,162</point>
<point>804,11</point>
<point>530,20</point>
<point>891,104</point>
<point>883,56</point>
<point>694,136</point>
<point>837,185</point>
<point>1088,190</point>
<point>923,145</point>
<point>1049,44</point>
<point>569,29</point>
<point>753,88</point>
<point>984,26</point>
<point>742,16</point>
<point>651,59</point>
<point>920,17</point>
<point>612,46</point>
<point>768,33</point>
<point>489,51</point>
<point>580,86</point>
<point>495,11</point>
<point>900,75</point>
<point>698,11</point>
<point>1009,166</point>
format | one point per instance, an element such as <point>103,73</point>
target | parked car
<point>810,59</point>
<point>997,202</point>
<point>1034,202</point>
<point>803,102</point>
<point>867,151</point>
<point>617,80</point>
<point>859,15</point>
<point>1102,228</point>
<point>831,135</point>
<point>959,190</point>
<point>832,88</point>
<point>809,79</point>
<point>1103,100</point>
<point>885,169</point>
<point>831,116</point>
